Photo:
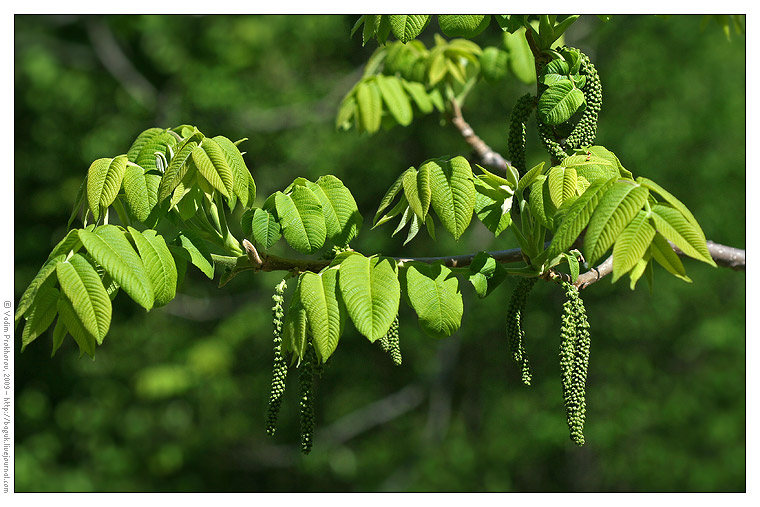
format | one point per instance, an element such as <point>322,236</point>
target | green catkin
<point>517,130</point>
<point>390,343</point>
<point>280,365</point>
<point>574,356</point>
<point>549,140</point>
<point>515,332</point>
<point>306,398</point>
<point>584,133</point>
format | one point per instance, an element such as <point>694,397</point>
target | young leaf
<point>631,245</point>
<point>493,207</point>
<point>619,205</point>
<point>390,195</point>
<point>577,216</point>
<point>103,182</point>
<point>592,167</point>
<point>162,142</point>
<point>265,229</point>
<point>325,311</point>
<point>463,25</point>
<point>486,274</point>
<point>521,61</point>
<point>370,105</point>
<point>30,294</point>
<point>671,199</point>
<point>41,316</point>
<point>110,248</point>
<point>452,193</point>
<point>527,180</point>
<point>419,95</point>
<point>347,212</point>
<point>665,256</point>
<point>196,252</point>
<point>674,226</point>
<point>412,194</point>
<point>82,286</point>
<point>177,169</point>
<point>493,64</point>
<point>75,327</point>
<point>242,181</point>
<point>139,143</point>
<point>136,191</point>
<point>395,98</point>
<point>159,264</point>
<point>562,183</point>
<point>371,291</point>
<point>433,293</point>
<point>408,27</point>
<point>210,160</point>
<point>302,220</point>
<point>559,102</point>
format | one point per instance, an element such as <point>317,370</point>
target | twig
<point>487,155</point>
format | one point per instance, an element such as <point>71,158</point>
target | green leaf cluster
<point>447,186</point>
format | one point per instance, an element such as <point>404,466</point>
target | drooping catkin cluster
<point>556,139</point>
<point>280,365</point>
<point>515,332</point>
<point>584,133</point>
<point>574,352</point>
<point>517,130</point>
<point>390,343</point>
<point>306,397</point>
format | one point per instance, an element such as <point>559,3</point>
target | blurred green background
<point>176,399</point>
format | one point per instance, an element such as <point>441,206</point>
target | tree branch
<point>723,255</point>
<point>485,153</point>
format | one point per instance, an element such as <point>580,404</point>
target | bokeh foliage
<point>176,399</point>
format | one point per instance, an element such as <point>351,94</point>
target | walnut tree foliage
<point>143,217</point>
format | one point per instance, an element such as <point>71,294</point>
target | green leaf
<point>68,315</point>
<point>639,269</point>
<point>302,220</point>
<point>554,71</point>
<point>343,203</point>
<point>452,193</point>
<point>325,311</point>
<point>433,293</point>
<point>493,206</point>
<point>412,194</point>
<point>241,176</point>
<point>486,274</point>
<point>436,68</point>
<point>162,142</point>
<point>540,202</point>
<point>674,226</point>
<point>559,102</point>
<point>139,143</point>
<point>210,160</point>
<point>662,252</point>
<point>407,27</point>
<point>30,294</point>
<point>619,205</point>
<point>577,217</point>
<point>111,249</point>
<point>370,105</point>
<point>103,182</point>
<point>371,292</point>
<point>463,25</point>
<point>265,229</point>
<point>346,112</point>
<point>391,194</point>
<point>371,24</point>
<point>197,252</point>
<point>521,61</point>
<point>78,201</point>
<point>59,333</point>
<point>136,191</point>
<point>493,64</point>
<point>159,264</point>
<point>82,287</point>
<point>395,98</point>
<point>592,167</point>
<point>562,183</point>
<point>177,169</point>
<point>44,309</point>
<point>631,245</point>
<point>419,95</point>
<point>529,178</point>
<point>295,324</point>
